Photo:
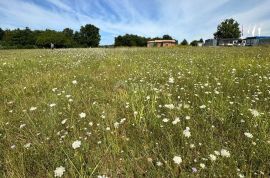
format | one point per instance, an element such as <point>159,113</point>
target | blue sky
<point>190,19</point>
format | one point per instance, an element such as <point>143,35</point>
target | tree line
<point>135,40</point>
<point>88,36</point>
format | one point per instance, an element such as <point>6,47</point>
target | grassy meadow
<point>135,112</point>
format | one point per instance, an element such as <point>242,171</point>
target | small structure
<point>161,43</point>
<point>200,44</point>
<point>258,40</point>
<point>227,42</point>
<point>211,42</point>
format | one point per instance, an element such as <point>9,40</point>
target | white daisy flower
<point>165,120</point>
<point>52,105</point>
<point>202,106</point>
<point>64,121</point>
<point>177,159</point>
<point>22,126</point>
<point>74,82</point>
<point>254,112</point>
<point>202,165</point>
<point>33,108</point>
<point>187,117</point>
<point>212,157</point>
<point>249,135</point>
<point>82,115</point>
<point>171,80</point>
<point>76,144</point>
<point>176,120</point>
<point>59,171</point>
<point>186,132</point>
<point>225,153</point>
<point>169,106</point>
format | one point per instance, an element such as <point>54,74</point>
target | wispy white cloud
<point>179,18</point>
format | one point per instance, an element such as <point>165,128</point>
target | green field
<point>137,112</point>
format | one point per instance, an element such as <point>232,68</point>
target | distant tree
<point>20,38</point>
<point>167,37</point>
<point>229,28</point>
<point>130,40</point>
<point>194,43</point>
<point>2,32</point>
<point>59,39</point>
<point>184,42</point>
<point>89,35</point>
<point>68,32</point>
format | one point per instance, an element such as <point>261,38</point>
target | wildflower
<point>212,157</point>
<point>171,80</point>
<point>225,153</point>
<point>202,165</point>
<point>186,132</point>
<point>159,163</point>
<point>187,117</point>
<point>122,120</point>
<point>165,120</point>
<point>76,144</point>
<point>59,171</point>
<point>52,105</point>
<point>74,82</point>
<point>240,175</point>
<point>194,170</point>
<point>177,159</point>
<point>176,120</point>
<point>13,146</point>
<point>27,145</point>
<point>169,106</point>
<point>186,106</point>
<point>102,176</point>
<point>64,121</point>
<point>148,97</point>
<point>82,115</point>
<point>33,108</point>
<point>217,153</point>
<point>202,106</point>
<point>254,112</point>
<point>248,135</point>
<point>116,125</point>
<point>22,126</point>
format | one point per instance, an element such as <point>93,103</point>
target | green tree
<point>2,32</point>
<point>194,43</point>
<point>201,40</point>
<point>167,37</point>
<point>89,36</point>
<point>59,39</point>
<point>130,40</point>
<point>184,42</point>
<point>229,28</point>
<point>68,32</point>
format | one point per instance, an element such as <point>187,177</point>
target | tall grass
<point>145,109</point>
